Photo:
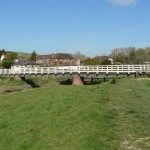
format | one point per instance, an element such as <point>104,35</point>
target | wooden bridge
<point>82,71</point>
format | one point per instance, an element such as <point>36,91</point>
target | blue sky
<point>93,27</point>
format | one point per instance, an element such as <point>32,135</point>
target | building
<point>43,58</point>
<point>2,58</point>
<point>58,59</point>
<point>17,66</point>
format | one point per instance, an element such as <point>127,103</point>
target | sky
<point>92,27</point>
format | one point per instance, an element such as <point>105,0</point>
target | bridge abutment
<point>17,77</point>
<point>77,80</point>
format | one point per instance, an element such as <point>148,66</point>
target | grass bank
<point>91,117</point>
<point>8,84</point>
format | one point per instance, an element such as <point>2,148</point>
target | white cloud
<point>123,2</point>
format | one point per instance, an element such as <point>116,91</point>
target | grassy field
<point>24,56</point>
<point>91,117</point>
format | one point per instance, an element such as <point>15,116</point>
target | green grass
<point>130,99</point>
<point>92,117</point>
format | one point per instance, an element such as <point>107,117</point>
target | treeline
<point>91,61</point>
<point>127,55</point>
<point>130,55</point>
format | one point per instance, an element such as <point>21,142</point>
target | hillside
<point>24,56</point>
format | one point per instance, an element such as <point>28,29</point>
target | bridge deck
<point>116,70</point>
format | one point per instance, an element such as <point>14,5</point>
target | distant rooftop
<point>24,63</point>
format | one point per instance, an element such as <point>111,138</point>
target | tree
<point>106,62</point>
<point>124,55</point>
<point>9,59</point>
<point>147,50</point>
<point>33,56</point>
<point>80,56</point>
<point>131,56</point>
<point>7,63</point>
<point>140,56</point>
<point>91,61</point>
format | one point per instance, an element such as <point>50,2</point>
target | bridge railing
<point>79,69</point>
<point>85,69</point>
<point>5,71</point>
<point>106,69</point>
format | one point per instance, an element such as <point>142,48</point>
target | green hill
<point>24,56</point>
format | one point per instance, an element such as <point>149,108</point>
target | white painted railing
<point>5,71</point>
<point>79,69</point>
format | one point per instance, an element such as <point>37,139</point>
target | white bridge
<point>117,70</point>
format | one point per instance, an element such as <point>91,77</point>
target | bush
<point>7,63</point>
<point>91,61</point>
<point>106,62</point>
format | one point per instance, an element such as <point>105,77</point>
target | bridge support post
<point>137,74</point>
<point>17,77</point>
<point>92,79</point>
<point>104,79</point>
<point>77,80</point>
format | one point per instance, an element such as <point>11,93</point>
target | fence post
<point>87,69</point>
<point>79,70</point>
<point>128,69</point>
<point>107,70</point>
<point>118,69</point>
<point>97,70</point>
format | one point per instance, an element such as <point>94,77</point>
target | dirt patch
<point>9,91</point>
<point>135,144</point>
<point>143,79</point>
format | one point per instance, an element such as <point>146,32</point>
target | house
<point>58,59</point>
<point>17,66</point>
<point>43,58</point>
<point>28,64</point>
<point>2,57</point>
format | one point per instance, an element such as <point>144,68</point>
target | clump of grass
<point>10,85</point>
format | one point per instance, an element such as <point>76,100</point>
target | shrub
<point>7,63</point>
<point>106,62</point>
